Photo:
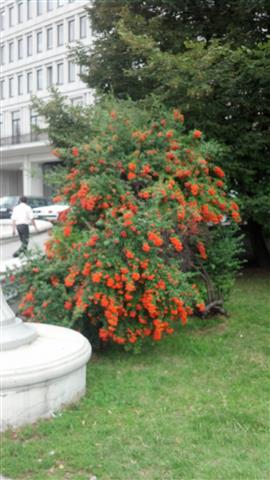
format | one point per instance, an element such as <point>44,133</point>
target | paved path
<point>9,244</point>
<point>8,247</point>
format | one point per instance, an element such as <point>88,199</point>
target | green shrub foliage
<point>142,245</point>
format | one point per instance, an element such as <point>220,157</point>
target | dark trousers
<point>23,231</point>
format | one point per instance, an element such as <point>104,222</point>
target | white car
<point>50,213</point>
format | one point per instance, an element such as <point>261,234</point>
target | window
<point>83,70</point>
<point>11,52</point>
<point>11,87</point>
<point>39,7</point>
<point>33,124</point>
<point>77,101</point>
<point>15,118</point>
<point>39,42</point>
<point>49,5</point>
<point>39,79</point>
<point>60,34</point>
<point>60,74</point>
<point>33,119</point>
<point>20,12</point>
<point>2,89</point>
<point>71,30</point>
<point>29,9</point>
<point>2,55</point>
<point>83,26</point>
<point>11,16</point>
<point>20,48</point>
<point>20,84</point>
<point>49,76</point>
<point>60,3</point>
<point>29,78</point>
<point>29,45</point>
<point>2,20</point>
<point>71,71</point>
<point>49,38</point>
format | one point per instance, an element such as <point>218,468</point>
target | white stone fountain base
<point>40,378</point>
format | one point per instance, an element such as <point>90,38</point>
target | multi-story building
<point>34,40</point>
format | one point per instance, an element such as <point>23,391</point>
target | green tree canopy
<point>170,24</point>
<point>66,124</point>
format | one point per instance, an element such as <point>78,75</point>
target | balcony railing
<point>27,138</point>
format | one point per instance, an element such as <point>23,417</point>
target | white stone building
<point>34,40</point>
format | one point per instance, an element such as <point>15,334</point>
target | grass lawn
<point>193,407</point>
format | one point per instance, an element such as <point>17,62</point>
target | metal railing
<point>19,139</point>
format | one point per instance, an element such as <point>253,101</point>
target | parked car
<point>49,212</point>
<point>8,203</point>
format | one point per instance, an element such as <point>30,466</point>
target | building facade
<point>34,40</point>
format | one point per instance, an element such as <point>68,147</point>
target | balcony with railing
<point>21,139</point>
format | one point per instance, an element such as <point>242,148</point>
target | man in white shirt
<point>22,217</point>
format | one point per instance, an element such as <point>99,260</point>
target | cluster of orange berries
<point>187,189</point>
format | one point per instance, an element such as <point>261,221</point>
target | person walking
<point>22,217</point>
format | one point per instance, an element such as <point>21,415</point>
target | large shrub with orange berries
<point>129,257</point>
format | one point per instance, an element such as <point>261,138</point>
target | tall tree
<point>170,24</point>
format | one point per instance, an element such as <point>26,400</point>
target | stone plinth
<point>39,378</point>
